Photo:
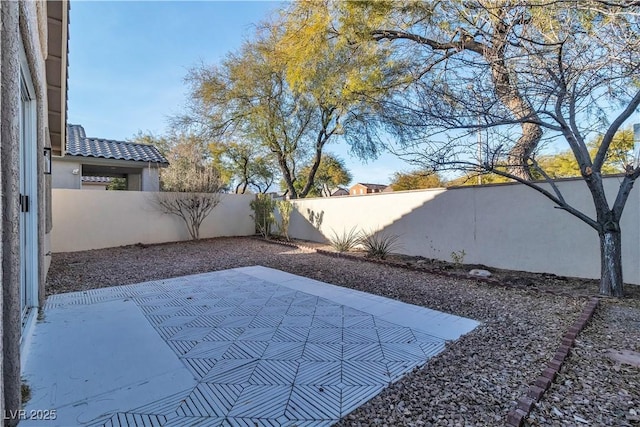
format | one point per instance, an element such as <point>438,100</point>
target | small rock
<point>580,419</point>
<point>625,356</point>
<point>476,272</point>
<point>557,412</point>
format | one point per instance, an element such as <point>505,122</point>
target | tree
<point>424,39</point>
<point>162,143</point>
<point>290,94</point>
<point>415,180</point>
<point>190,185</point>
<point>513,69</point>
<point>248,98</point>
<point>565,165</point>
<point>244,166</point>
<point>331,173</point>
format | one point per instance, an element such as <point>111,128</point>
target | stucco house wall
<point>66,173</point>
<point>33,38</point>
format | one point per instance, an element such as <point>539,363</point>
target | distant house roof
<point>373,186</point>
<point>79,145</point>
<point>340,192</point>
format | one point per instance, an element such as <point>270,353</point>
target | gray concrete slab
<point>236,347</point>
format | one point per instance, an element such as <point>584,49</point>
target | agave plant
<point>345,241</point>
<point>379,244</point>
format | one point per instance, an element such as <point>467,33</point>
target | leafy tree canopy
<point>415,180</point>
<point>244,165</point>
<point>331,173</point>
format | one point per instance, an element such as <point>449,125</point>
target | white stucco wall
<point>94,186</point>
<point>85,220</point>
<point>507,226</point>
<point>62,175</point>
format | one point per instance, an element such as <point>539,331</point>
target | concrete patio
<point>242,347</point>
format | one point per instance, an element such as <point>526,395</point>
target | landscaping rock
<point>625,356</point>
<point>476,272</point>
<point>475,381</point>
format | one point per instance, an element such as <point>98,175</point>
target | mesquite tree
<point>522,72</point>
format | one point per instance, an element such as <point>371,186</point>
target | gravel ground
<point>476,381</point>
<point>591,388</point>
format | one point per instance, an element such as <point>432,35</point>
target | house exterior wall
<point>24,46</point>
<point>357,189</point>
<point>62,174</point>
<point>150,179</point>
<point>86,220</point>
<point>502,226</point>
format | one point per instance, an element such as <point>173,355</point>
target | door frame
<point>28,177</point>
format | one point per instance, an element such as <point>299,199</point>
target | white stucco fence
<point>503,226</point>
<point>85,220</point>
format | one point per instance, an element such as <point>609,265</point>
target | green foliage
<point>565,165</point>
<point>332,172</point>
<point>263,206</point>
<point>25,392</point>
<point>285,208</point>
<point>117,184</point>
<point>248,98</point>
<point>458,257</point>
<point>415,180</point>
<point>244,165</point>
<point>379,244</point>
<point>345,241</point>
<point>326,67</point>
<point>472,179</point>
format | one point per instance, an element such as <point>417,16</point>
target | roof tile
<point>79,145</point>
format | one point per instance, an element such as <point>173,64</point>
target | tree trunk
<point>287,176</point>
<point>521,151</point>
<point>611,283</point>
<point>506,89</point>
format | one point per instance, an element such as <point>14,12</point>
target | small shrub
<point>346,241</point>
<point>285,208</point>
<point>379,244</point>
<point>262,207</point>
<point>458,257</point>
<point>25,391</point>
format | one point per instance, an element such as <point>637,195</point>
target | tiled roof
<point>374,186</point>
<point>79,145</point>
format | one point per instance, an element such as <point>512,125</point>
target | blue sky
<point>127,62</point>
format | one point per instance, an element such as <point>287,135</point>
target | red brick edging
<point>516,416</point>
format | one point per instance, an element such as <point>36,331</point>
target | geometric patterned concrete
<point>267,348</point>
